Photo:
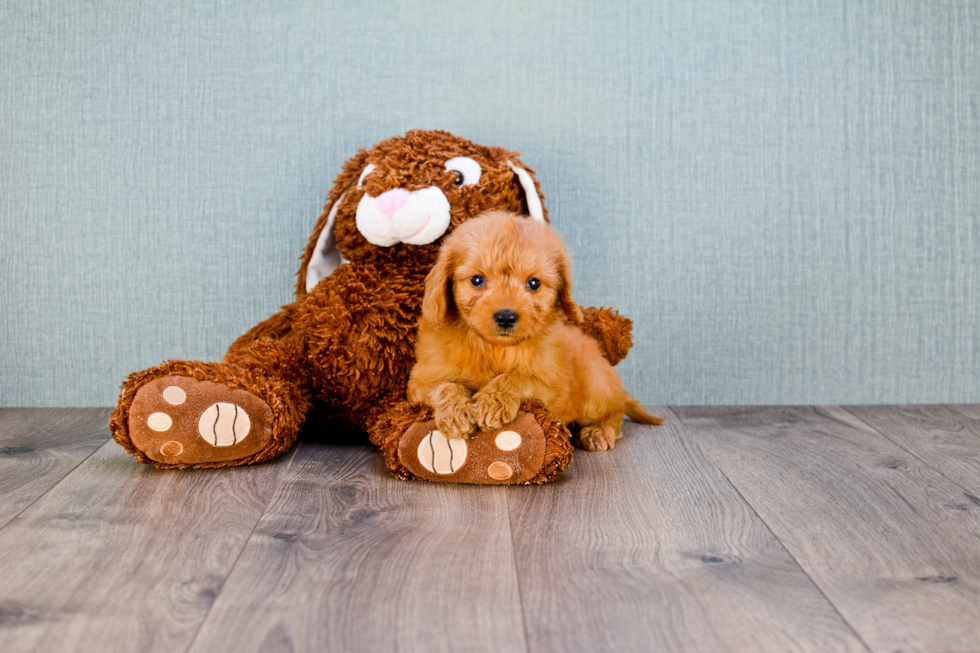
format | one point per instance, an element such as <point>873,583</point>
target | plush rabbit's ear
<point>326,257</point>
<point>321,256</point>
<point>532,195</point>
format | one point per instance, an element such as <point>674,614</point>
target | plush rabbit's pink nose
<point>392,201</point>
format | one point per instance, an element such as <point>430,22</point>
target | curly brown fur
<point>558,453</point>
<point>611,330</point>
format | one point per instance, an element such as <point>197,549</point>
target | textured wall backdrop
<point>785,196</point>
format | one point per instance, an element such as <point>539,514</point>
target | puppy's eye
<point>533,284</point>
<point>467,170</point>
<point>478,281</point>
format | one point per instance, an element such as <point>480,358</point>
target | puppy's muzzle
<point>505,319</point>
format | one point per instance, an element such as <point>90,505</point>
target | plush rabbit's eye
<point>478,281</point>
<point>368,169</point>
<point>467,170</point>
<point>533,284</point>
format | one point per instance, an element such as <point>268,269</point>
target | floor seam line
<point>517,572</point>
<point>906,450</point>
<point>231,570</point>
<point>59,482</point>
<point>782,544</point>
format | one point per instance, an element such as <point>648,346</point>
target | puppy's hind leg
<point>600,435</point>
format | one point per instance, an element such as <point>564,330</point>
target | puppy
<point>499,326</point>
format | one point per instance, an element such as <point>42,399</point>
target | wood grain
<point>970,411</point>
<point>890,541</point>
<point>39,446</point>
<point>121,556</point>
<point>348,559</point>
<point>941,436</point>
<point>649,548</point>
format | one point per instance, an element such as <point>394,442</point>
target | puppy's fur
<point>475,373</point>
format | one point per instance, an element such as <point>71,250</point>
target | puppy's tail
<point>638,413</point>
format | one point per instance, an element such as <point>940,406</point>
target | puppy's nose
<point>392,201</point>
<point>505,319</point>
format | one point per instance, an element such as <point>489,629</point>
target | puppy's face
<point>505,277</point>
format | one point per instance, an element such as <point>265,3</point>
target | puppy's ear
<point>437,303</point>
<point>566,304</point>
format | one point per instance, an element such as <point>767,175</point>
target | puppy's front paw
<point>457,421</point>
<point>494,409</point>
<point>596,438</point>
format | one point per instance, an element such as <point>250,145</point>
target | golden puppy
<point>499,326</point>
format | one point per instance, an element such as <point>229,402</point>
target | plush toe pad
<point>505,456</point>
<point>180,420</point>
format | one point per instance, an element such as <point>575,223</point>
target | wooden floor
<point>727,529</point>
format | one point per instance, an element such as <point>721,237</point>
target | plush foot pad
<point>506,456</point>
<point>180,420</point>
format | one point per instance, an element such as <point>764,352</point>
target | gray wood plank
<point>971,411</point>
<point>942,436</point>
<point>348,559</point>
<point>889,540</point>
<point>649,548</point>
<point>121,556</point>
<point>39,446</point>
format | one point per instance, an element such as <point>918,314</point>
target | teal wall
<point>785,196</point>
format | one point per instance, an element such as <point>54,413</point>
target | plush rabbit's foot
<point>181,421</point>
<point>533,448</point>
